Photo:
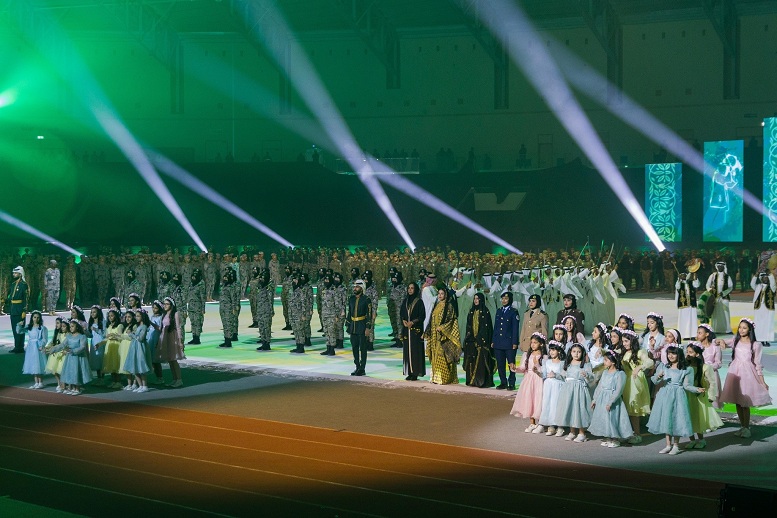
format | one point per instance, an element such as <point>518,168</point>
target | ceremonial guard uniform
<point>265,291</point>
<point>720,286</point>
<point>51,287</point>
<point>505,343</point>
<point>570,309</point>
<point>358,320</point>
<point>229,306</point>
<point>16,306</point>
<point>685,297</point>
<point>195,300</point>
<point>535,320</point>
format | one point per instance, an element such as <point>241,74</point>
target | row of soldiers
<point>95,278</point>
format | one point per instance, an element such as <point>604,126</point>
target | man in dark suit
<point>505,342</point>
<point>358,321</point>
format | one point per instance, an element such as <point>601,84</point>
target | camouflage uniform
<point>265,311</point>
<point>69,282</point>
<point>275,271</point>
<point>253,293</point>
<point>331,313</point>
<point>342,302</point>
<point>117,277</point>
<point>229,308</point>
<point>297,316</point>
<point>196,307</point>
<point>286,288</point>
<point>394,304</point>
<point>209,273</point>
<point>102,282</point>
<point>372,293</point>
<point>52,287</point>
<point>244,275</point>
<point>180,297</point>
<point>308,295</point>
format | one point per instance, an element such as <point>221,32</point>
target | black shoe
<point>320,330</point>
<point>286,328</point>
<point>356,373</point>
<point>299,350</point>
<point>339,344</point>
<point>234,337</point>
<point>361,372</point>
<point>412,377</point>
<point>325,353</point>
<point>370,346</point>
<point>307,342</point>
<point>510,387</point>
<point>254,325</point>
<point>16,351</point>
<point>227,343</point>
<point>194,341</point>
<point>501,386</point>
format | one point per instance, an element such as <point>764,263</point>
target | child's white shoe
<point>580,438</point>
<point>539,429</point>
<point>560,432</point>
<point>530,428</point>
<point>569,436</point>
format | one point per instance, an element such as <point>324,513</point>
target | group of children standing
<point>605,386</point>
<point>125,341</point>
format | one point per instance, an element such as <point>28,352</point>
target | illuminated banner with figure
<point>664,200</point>
<point>723,184</point>
<point>770,180</point>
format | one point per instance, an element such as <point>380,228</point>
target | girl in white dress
<point>551,373</point>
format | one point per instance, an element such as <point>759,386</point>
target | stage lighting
<point>21,225</point>
<point>8,97</point>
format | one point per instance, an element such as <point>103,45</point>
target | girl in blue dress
<point>34,356</point>
<point>75,370</point>
<point>136,364</point>
<point>550,371</point>
<point>574,398</point>
<point>671,415</point>
<point>96,333</point>
<point>610,419</point>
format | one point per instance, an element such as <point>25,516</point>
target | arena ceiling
<point>310,16</point>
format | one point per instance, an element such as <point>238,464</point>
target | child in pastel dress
<point>528,399</point>
<point>574,398</point>
<point>616,342</point>
<point>124,345</point>
<point>636,393</point>
<point>136,363</point>
<point>152,340</point>
<point>745,385</point>
<point>34,356</point>
<point>703,416</point>
<point>110,345</point>
<point>95,331</point>
<point>713,354</point>
<point>54,351</point>
<point>652,340</point>
<point>596,348</point>
<point>550,371</point>
<point>610,419</point>
<point>75,370</point>
<point>671,414</point>
<point>571,336</point>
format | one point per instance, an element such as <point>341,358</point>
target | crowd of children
<point>124,342</point>
<point>607,385</point>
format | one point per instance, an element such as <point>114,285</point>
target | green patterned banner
<point>770,180</point>
<point>664,200</point>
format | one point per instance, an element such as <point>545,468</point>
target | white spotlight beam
<point>87,90</point>
<point>180,175</point>
<point>265,21</point>
<point>595,86</point>
<point>15,222</point>
<point>506,20</point>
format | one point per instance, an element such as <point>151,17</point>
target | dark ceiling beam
<point>601,18</point>
<point>723,16</point>
<point>493,48</point>
<point>379,34</point>
<point>148,23</point>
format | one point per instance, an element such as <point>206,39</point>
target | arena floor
<point>296,435</point>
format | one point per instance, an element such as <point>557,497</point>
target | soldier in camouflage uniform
<point>69,281</point>
<point>286,289</point>
<point>341,302</point>
<point>265,294</point>
<point>253,288</point>
<point>95,281</point>
<point>332,312</point>
<point>244,274</point>
<point>164,288</point>
<point>180,297</point>
<point>131,285</point>
<point>52,287</point>
<point>275,269</point>
<point>196,305</point>
<point>394,304</point>
<point>372,293</point>
<point>319,289</point>
<point>117,275</point>
<point>308,295</point>
<point>210,269</point>
<point>229,305</point>
<point>297,314</point>
<point>186,268</point>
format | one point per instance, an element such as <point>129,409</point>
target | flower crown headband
<point>655,315</point>
<point>626,316</point>
<point>559,326</point>
<point>707,327</point>
<point>539,335</point>
<point>745,319</point>
<point>629,333</point>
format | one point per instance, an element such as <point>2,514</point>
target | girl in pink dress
<point>170,347</point>
<point>528,399</point>
<point>712,353</point>
<point>745,385</point>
